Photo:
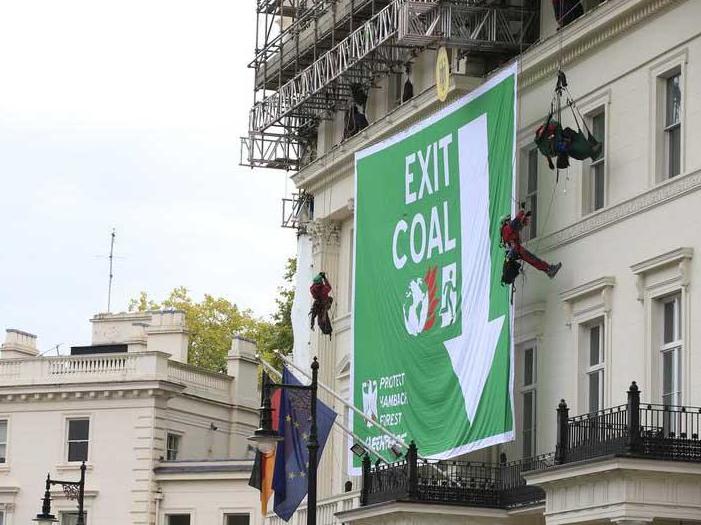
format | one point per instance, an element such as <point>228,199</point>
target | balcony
<point>628,449</point>
<point>47,372</point>
<point>634,430</point>
<point>467,483</point>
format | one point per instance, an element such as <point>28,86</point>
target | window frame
<point>598,368</point>
<point>228,514</point>
<point>668,66</point>
<point>667,128</point>
<point>167,515</point>
<point>525,390</point>
<point>178,436</point>
<point>531,158</point>
<point>68,441</point>
<point>5,464</point>
<point>63,513</point>
<point>589,180</point>
<point>675,348</point>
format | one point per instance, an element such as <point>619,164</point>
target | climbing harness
<point>561,143</point>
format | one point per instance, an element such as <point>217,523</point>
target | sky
<point>127,114</point>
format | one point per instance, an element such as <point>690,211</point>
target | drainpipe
<point>158,498</point>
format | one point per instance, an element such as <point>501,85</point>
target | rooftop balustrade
<point>122,367</point>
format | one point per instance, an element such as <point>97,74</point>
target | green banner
<point>432,340</point>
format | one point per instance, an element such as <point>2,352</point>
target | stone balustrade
<point>124,367</point>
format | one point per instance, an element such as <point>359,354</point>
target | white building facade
<point>164,442</point>
<point>625,306</point>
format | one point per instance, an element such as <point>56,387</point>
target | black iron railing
<point>634,430</point>
<point>647,430</point>
<point>467,483</point>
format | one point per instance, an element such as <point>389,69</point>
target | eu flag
<point>292,456</point>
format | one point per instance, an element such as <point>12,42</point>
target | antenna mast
<point>109,288</point>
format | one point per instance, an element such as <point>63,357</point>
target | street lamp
<point>266,439</point>
<point>74,490</point>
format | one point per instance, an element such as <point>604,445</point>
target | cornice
<point>597,285</point>
<point>591,31</point>
<point>644,201</point>
<point>655,263</point>
<point>88,393</point>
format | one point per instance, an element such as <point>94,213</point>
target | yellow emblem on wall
<point>442,74</point>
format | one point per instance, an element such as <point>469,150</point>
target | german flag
<point>264,464</point>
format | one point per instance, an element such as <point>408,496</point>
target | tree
<point>278,334</point>
<point>214,321</point>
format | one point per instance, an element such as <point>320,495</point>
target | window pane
<point>532,185</point>
<point>78,429</point>
<point>674,100</point>
<point>179,519</point>
<point>533,206</point>
<point>598,127</point>
<point>528,424</point>
<point>594,345</point>
<point>234,519</point>
<point>78,451</point>
<point>668,314</point>
<point>598,182</point>
<point>3,457</point>
<point>674,146</point>
<point>528,368</point>
<point>594,380</point>
<point>3,431</point>
<point>70,518</point>
<point>667,373</point>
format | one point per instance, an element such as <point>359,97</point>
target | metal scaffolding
<point>310,54</point>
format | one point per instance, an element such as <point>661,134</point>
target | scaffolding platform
<point>311,53</point>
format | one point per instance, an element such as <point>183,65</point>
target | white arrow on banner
<point>472,352</point>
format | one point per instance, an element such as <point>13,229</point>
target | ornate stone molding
<point>602,286</point>
<point>653,197</point>
<point>681,257</point>
<point>324,233</point>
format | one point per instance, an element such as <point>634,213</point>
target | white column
<point>326,241</point>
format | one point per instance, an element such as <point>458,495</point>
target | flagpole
<point>313,446</point>
<point>271,370</point>
<point>349,405</point>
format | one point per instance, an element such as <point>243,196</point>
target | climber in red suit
<point>511,237</point>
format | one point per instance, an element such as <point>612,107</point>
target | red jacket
<point>511,231</point>
<point>320,291</point>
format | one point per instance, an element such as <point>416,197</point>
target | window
<point>595,192</point>
<point>172,446</point>
<point>672,125</point>
<point>233,519</point>
<point>3,443</point>
<point>78,432</point>
<point>178,519</point>
<point>528,397</point>
<point>70,518</point>
<point>595,369</point>
<point>530,195</point>
<point>670,350</point>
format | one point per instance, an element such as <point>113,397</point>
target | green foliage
<point>214,321</point>
<point>278,334</point>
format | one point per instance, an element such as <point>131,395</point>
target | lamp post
<point>265,438</point>
<point>74,490</point>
